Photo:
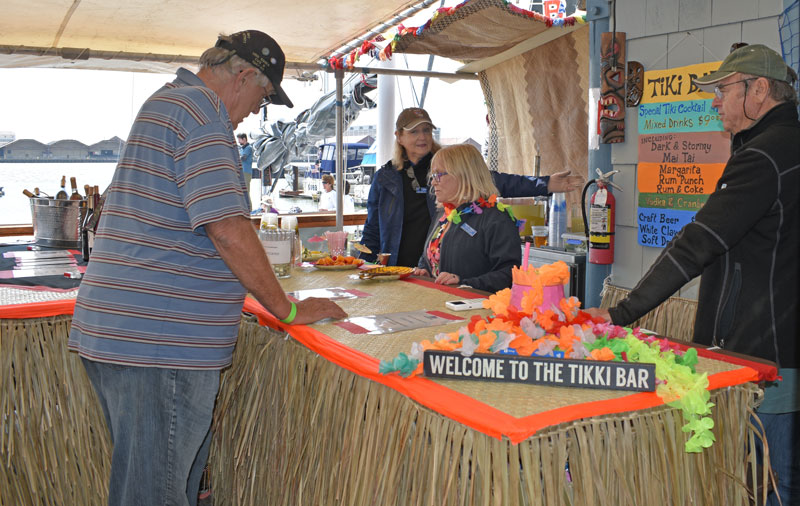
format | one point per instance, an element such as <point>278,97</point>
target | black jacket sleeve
<point>744,194</point>
<point>372,235</point>
<point>514,185</point>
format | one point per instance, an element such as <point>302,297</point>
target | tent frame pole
<point>340,155</point>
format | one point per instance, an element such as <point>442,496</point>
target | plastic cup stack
<point>557,224</point>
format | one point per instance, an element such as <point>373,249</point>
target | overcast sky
<point>89,106</point>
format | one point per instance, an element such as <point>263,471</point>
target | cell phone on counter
<point>465,304</point>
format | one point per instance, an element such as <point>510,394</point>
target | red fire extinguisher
<point>600,226</point>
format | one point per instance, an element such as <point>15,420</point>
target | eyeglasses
<point>267,100</point>
<point>437,176</point>
<point>718,88</point>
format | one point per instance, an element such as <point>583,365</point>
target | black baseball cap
<point>261,51</point>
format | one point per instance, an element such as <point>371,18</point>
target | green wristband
<point>292,314</point>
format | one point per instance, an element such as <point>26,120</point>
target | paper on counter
<point>334,293</point>
<point>396,322</point>
<point>61,253</point>
<point>41,271</point>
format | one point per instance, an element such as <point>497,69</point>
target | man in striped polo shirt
<point>158,310</point>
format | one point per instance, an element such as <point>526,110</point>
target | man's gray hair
<point>218,59</point>
<point>782,91</point>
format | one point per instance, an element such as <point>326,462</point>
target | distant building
<point>65,150</point>
<point>68,149</point>
<point>362,131</point>
<point>449,141</point>
<point>109,148</point>
<point>369,140</point>
<point>23,149</point>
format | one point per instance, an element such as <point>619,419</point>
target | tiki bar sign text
<point>541,371</point>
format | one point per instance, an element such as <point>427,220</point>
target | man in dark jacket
<point>744,242</point>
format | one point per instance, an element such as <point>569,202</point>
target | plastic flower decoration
<point>563,330</point>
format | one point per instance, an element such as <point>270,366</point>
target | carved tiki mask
<point>611,110</point>
<point>634,84</point>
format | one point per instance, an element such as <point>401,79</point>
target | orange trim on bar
<point>465,409</point>
<point>37,309</point>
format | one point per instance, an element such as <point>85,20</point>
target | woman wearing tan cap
<point>400,207</point>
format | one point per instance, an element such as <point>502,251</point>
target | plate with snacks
<point>312,256</point>
<point>386,273</point>
<point>338,263</point>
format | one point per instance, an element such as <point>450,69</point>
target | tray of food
<point>338,263</point>
<point>386,273</point>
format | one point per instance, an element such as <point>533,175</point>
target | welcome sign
<point>541,371</point>
<point>682,152</point>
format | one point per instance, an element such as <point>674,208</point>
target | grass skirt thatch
<point>54,445</point>
<point>293,428</point>
<point>674,317</point>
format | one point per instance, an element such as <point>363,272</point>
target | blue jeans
<point>160,425</point>
<point>784,454</point>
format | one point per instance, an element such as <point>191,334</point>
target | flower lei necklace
<point>452,215</point>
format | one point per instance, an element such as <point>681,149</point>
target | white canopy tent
<point>158,36</point>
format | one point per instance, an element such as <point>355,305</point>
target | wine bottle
<point>94,219</point>
<point>86,240</point>
<point>28,194</point>
<point>62,193</point>
<point>86,190</point>
<point>40,194</point>
<point>75,194</point>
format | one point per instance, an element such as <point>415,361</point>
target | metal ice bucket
<point>57,222</point>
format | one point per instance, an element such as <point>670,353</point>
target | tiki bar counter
<point>304,416</point>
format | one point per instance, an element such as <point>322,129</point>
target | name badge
<point>422,189</point>
<point>466,228</point>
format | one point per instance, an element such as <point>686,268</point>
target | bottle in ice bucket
<point>75,194</point>
<point>279,245</point>
<point>62,193</point>
<point>87,235</point>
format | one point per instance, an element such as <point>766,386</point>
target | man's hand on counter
<point>597,312</point>
<point>313,309</point>
<point>238,245</point>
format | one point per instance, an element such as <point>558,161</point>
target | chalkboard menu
<point>682,152</point>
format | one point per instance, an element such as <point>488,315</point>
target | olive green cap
<point>755,59</point>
